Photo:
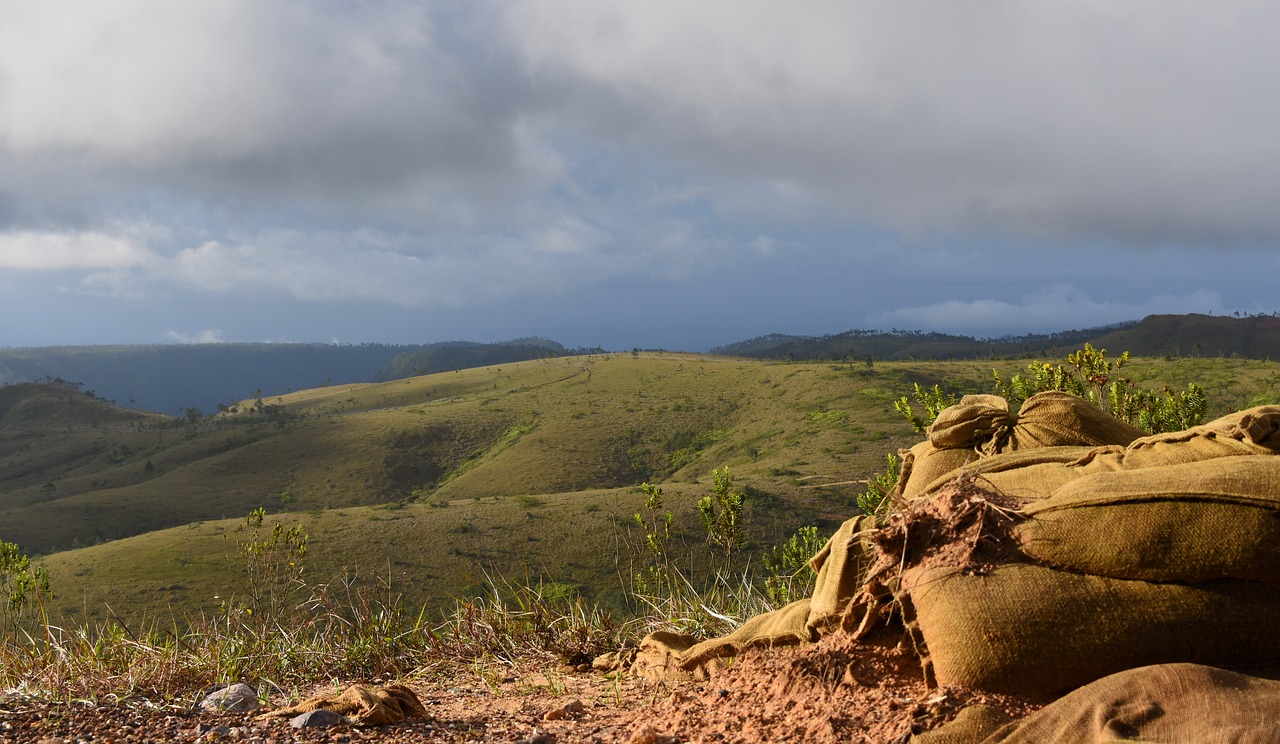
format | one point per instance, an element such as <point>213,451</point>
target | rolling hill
<point>1253,337</point>
<point>528,468</point>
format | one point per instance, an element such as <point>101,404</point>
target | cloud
<point>207,336</point>
<point>62,251</point>
<point>389,110</point>
<point>794,166</point>
<point>1145,121</point>
<point>1056,308</point>
<point>446,270</point>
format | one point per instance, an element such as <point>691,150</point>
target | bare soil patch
<point>838,690</point>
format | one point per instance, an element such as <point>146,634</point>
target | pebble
<point>646,735</point>
<point>317,719</point>
<point>237,698</point>
<point>565,711</point>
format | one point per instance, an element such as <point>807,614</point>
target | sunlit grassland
<point>527,470</point>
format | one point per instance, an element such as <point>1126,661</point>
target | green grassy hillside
<point>523,468</point>
<point>1195,335</point>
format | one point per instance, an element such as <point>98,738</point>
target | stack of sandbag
<point>1162,551</point>
<point>978,427</point>
<point>1101,550</point>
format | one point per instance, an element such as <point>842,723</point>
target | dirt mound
<point>837,690</point>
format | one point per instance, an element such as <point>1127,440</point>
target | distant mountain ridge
<point>898,345</point>
<point>1250,337</point>
<point>176,379</point>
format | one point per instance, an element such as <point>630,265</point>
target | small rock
<point>646,735</point>
<point>317,719</point>
<point>238,698</point>
<point>538,737</point>
<point>565,711</point>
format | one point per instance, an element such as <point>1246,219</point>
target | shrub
<point>789,575</point>
<point>1091,375</point>
<point>875,500</point>
<point>722,514</point>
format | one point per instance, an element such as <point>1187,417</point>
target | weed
<point>875,500</point>
<point>933,400</point>
<point>721,514</point>
<point>656,523</point>
<point>272,564</point>
<point>789,575</point>
<point>22,585</point>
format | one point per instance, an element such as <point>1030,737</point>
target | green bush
<point>875,500</point>
<point>1091,375</point>
<point>789,575</point>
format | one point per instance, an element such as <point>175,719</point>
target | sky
<point>626,174</point>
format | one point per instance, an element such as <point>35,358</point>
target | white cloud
<point>569,235</point>
<point>207,336</point>
<point>1057,308</point>
<point>62,251</point>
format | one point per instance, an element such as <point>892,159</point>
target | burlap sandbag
<point>1023,474</point>
<point>1022,627</point>
<point>926,463</point>
<point>1161,703</point>
<point>667,656</point>
<point>839,565</point>
<point>1048,419</point>
<point>1192,522</point>
<point>362,705</point>
<point>1034,474</point>
<point>982,426</point>
<point>1250,432</point>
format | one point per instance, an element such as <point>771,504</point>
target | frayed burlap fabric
<point>362,705</point>
<point>666,656</point>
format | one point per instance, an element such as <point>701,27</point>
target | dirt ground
<point>834,691</point>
